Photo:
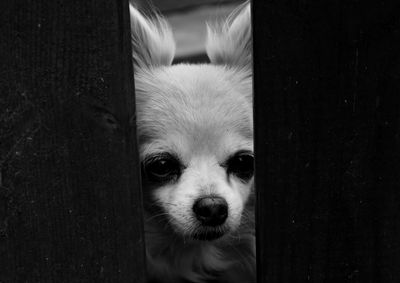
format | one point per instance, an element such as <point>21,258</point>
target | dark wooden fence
<point>327,116</point>
<point>70,201</point>
<point>327,110</point>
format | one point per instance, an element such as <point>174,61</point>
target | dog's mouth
<point>209,234</point>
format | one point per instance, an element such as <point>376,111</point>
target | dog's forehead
<point>201,104</point>
<point>187,148</point>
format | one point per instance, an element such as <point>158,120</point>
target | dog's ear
<point>230,43</point>
<point>152,40</point>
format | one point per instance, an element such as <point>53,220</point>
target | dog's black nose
<point>211,211</point>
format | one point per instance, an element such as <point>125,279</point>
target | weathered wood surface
<point>327,114</point>
<point>70,201</point>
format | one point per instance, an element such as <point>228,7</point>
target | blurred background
<point>188,20</point>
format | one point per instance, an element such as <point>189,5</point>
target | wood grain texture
<point>327,114</point>
<point>70,200</point>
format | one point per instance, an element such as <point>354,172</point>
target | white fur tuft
<point>230,42</point>
<point>152,40</point>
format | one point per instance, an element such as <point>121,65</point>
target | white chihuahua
<point>195,132</point>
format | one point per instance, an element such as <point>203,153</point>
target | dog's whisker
<point>242,256</point>
<point>156,216</point>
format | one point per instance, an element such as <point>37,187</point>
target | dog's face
<point>195,129</point>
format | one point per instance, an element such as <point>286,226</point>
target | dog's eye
<point>162,168</point>
<point>241,165</point>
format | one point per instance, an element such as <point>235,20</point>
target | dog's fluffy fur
<point>202,116</point>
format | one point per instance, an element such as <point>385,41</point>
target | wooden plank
<point>70,200</point>
<point>327,109</point>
